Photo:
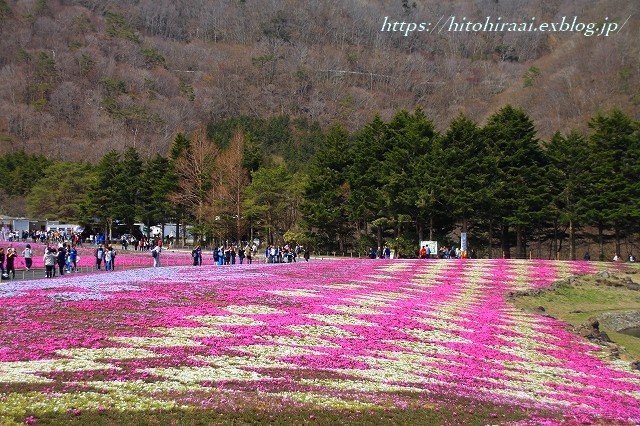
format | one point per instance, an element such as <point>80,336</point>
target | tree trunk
<point>618,243</point>
<point>506,249</point>
<point>490,239</point>
<point>178,229</point>
<point>539,247</point>
<point>554,247</point>
<point>519,242</point>
<point>601,240</point>
<point>572,241</point>
<point>238,206</point>
<point>431,228</point>
<point>559,250</point>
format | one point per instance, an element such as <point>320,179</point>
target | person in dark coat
<point>196,254</point>
<point>11,258</point>
<point>61,259</point>
<point>2,257</point>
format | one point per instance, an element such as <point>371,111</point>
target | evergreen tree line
<point>399,182</point>
<point>392,182</point>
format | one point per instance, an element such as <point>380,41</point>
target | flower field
<point>360,338</point>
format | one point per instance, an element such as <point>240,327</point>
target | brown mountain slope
<point>78,78</point>
<point>581,75</point>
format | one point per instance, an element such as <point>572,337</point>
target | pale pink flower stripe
<point>451,314</point>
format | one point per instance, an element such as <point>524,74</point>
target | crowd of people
<point>425,252</point>
<point>106,254</point>
<point>130,242</point>
<point>52,236</point>
<point>285,254</point>
<point>10,257</point>
<point>62,258</point>
<point>444,252</point>
<point>231,254</point>
<point>65,257</point>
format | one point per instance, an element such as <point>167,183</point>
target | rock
<point>604,337</point>
<point>633,286</point>
<point>589,331</point>
<point>605,274</point>
<point>635,365</point>
<point>618,321</point>
<point>576,312</point>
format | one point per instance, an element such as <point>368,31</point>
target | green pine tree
<point>157,182</point>
<point>611,199</point>
<point>100,206</point>
<point>465,162</point>
<point>518,187</point>
<point>327,190</point>
<point>566,173</point>
<point>128,184</point>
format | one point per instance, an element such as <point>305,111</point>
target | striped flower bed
<point>348,335</point>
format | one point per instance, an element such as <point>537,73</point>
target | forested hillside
<point>79,78</point>
<point>390,183</point>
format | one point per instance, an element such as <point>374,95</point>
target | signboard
<point>431,245</point>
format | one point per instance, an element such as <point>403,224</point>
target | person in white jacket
<point>108,257</point>
<point>49,259</point>
<point>27,253</point>
<point>155,252</point>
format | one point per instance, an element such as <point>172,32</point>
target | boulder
<point>633,286</point>
<point>591,331</point>
<point>618,321</point>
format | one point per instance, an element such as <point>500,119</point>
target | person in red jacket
<point>423,252</point>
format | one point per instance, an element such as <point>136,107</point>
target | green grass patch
<point>587,297</point>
